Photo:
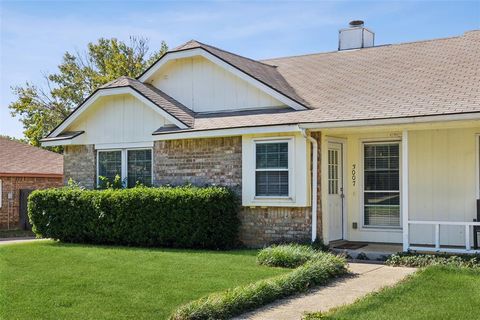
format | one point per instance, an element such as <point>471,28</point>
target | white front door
<point>335,191</point>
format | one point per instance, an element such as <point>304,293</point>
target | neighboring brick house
<point>367,143</point>
<point>24,168</point>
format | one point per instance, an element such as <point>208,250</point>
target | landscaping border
<point>224,305</point>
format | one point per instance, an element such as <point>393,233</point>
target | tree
<point>42,108</point>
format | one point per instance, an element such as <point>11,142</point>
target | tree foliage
<point>41,108</point>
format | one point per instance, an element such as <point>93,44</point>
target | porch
<point>365,250</point>
<point>414,185</point>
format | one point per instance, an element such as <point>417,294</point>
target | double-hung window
<point>139,167</point>
<point>381,205</point>
<point>110,164</point>
<point>132,165</point>
<point>272,169</point>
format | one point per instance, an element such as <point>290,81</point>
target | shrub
<point>230,303</point>
<point>287,256</point>
<point>188,217</point>
<point>423,260</point>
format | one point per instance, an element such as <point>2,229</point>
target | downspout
<point>314,181</point>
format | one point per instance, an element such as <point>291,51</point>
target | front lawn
<point>48,280</point>
<point>434,293</point>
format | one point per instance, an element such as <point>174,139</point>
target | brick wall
<point>9,212</point>
<point>262,226</point>
<point>199,162</point>
<point>218,161</point>
<point>317,136</point>
<point>79,164</point>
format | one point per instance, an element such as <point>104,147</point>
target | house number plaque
<point>354,174</point>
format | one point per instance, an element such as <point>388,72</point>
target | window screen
<point>381,185</point>
<point>271,176</point>
<point>110,164</point>
<point>139,167</point>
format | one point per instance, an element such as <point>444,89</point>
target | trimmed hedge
<point>286,256</point>
<point>188,217</point>
<point>230,303</point>
<point>408,259</point>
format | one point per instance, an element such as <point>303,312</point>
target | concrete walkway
<point>4,241</point>
<point>366,278</point>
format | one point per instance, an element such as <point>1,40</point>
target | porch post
<point>404,195</point>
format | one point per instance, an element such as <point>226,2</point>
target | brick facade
<point>219,161</point>
<point>10,209</point>
<point>79,164</point>
<point>213,161</point>
<point>317,136</point>
<point>261,226</point>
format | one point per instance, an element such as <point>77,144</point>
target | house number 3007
<point>354,174</point>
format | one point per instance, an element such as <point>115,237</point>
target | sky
<point>34,35</point>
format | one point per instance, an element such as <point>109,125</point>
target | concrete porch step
<point>370,251</point>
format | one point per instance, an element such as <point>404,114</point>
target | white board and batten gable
<point>203,86</point>
<point>203,82</point>
<point>117,119</point>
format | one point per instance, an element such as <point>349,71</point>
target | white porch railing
<point>438,248</point>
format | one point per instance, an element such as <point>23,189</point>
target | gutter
<point>314,181</point>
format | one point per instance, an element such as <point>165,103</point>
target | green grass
<point>47,280</point>
<point>433,293</point>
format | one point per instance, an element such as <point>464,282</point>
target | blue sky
<point>35,34</point>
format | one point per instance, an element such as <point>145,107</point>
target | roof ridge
<point>223,50</point>
<point>28,145</point>
<point>374,47</point>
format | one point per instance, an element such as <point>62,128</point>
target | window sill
<point>273,202</point>
<point>263,198</point>
<point>381,229</point>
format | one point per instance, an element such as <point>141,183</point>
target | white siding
<point>354,195</point>
<point>205,87</point>
<point>443,182</point>
<point>443,178</point>
<point>299,172</point>
<point>117,119</point>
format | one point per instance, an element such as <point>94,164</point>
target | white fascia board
<point>227,132</point>
<point>54,143</point>
<point>124,145</point>
<point>393,121</point>
<point>201,52</point>
<point>111,92</point>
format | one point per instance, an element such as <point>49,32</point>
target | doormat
<point>351,245</point>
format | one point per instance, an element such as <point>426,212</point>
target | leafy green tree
<point>42,108</point>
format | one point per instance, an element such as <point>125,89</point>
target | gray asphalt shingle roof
<point>434,77</point>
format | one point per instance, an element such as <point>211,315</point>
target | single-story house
<point>24,168</point>
<point>367,143</point>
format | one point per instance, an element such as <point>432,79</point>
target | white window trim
<point>291,175</point>
<point>365,227</point>
<point>124,166</point>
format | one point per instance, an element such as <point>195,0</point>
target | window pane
<point>139,167</point>
<point>382,180</point>
<point>272,155</point>
<point>382,198</point>
<point>381,173</point>
<point>333,168</point>
<point>382,216</point>
<point>271,183</point>
<point>110,164</point>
